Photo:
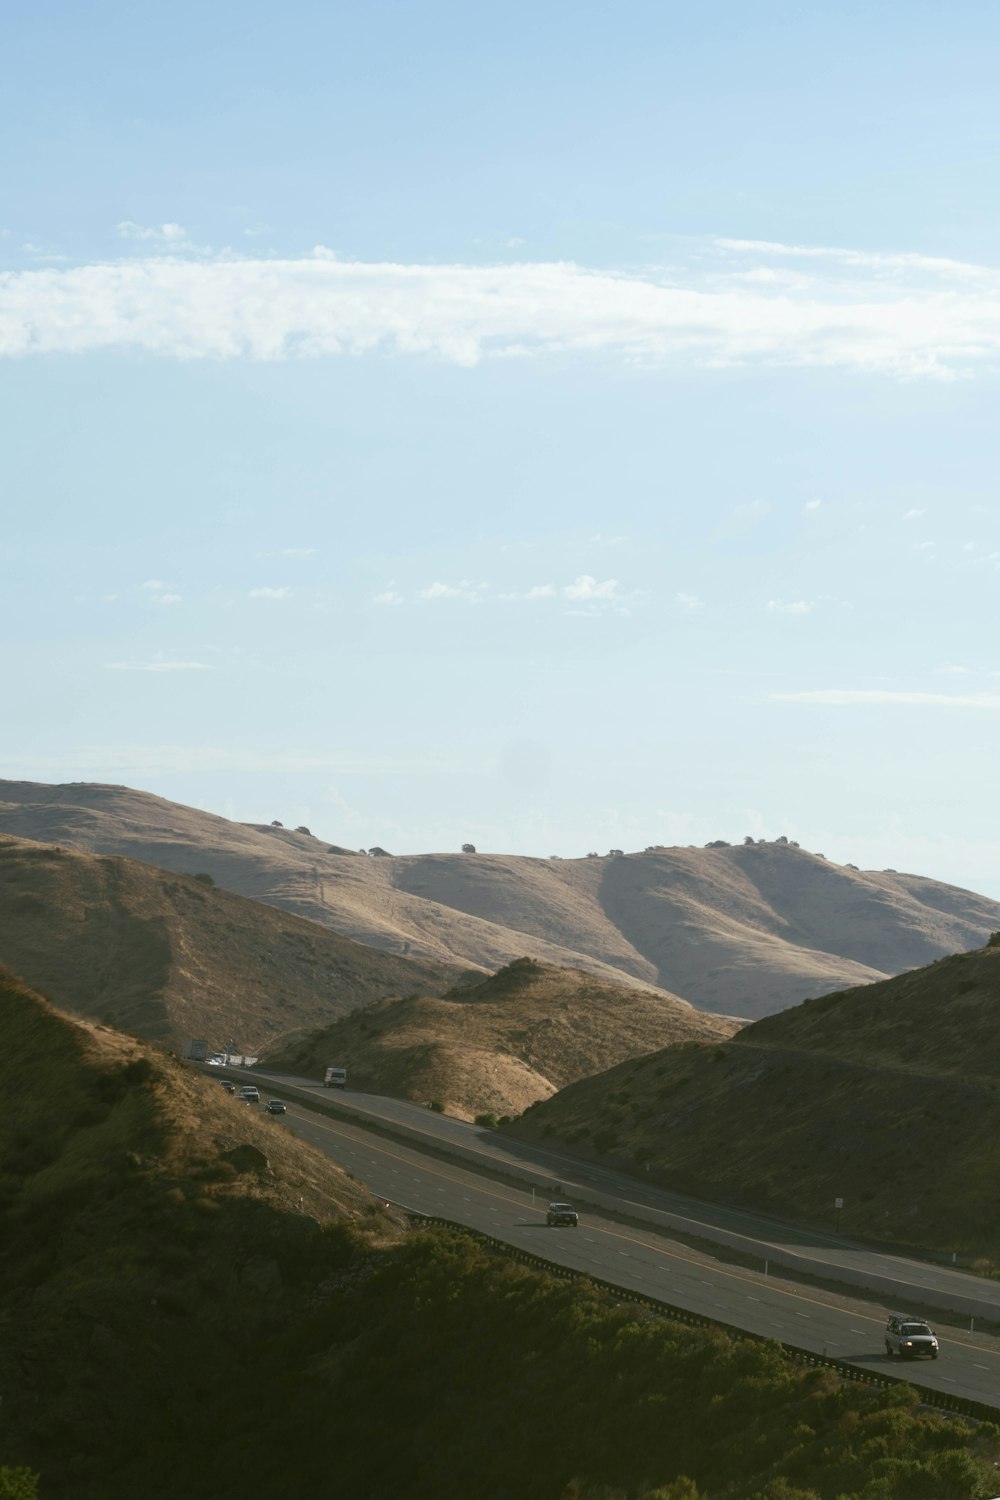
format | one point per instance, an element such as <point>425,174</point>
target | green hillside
<point>887,1096</point>
<point>193,1303</point>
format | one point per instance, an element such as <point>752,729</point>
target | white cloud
<point>797,607</point>
<point>912,515</point>
<point>586,587</point>
<point>269,593</point>
<point>539,591</point>
<point>440,591</point>
<point>812,505</point>
<point>169,236</point>
<point>166,599</point>
<point>387,596</point>
<point>930,316</point>
<point>158,666</point>
<point>464,589</point>
<point>39,252</point>
<point>297,552</point>
<point>862,697</point>
<point>154,583</point>
<point>873,259</point>
<point>689,601</point>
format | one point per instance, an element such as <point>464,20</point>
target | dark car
<point>275,1107</point>
<point>909,1337</point>
<point>560,1214</point>
<point>230,1088</point>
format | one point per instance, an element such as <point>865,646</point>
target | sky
<point>554,427</point>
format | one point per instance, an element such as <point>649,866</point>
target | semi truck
<point>335,1078</point>
<point>195,1050</point>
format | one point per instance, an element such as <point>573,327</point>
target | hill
<point>745,930</point>
<point>497,1046</point>
<point>192,1302</point>
<point>886,1096</point>
<point>167,957</point>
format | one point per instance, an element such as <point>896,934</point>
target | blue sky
<point>555,427</point>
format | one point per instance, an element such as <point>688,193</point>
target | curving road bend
<point>630,1255</point>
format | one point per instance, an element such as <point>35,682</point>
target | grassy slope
<point>503,1043</point>
<point>887,1096</point>
<point>741,931</point>
<point>146,1217</point>
<point>167,958</point>
<point>193,1304</point>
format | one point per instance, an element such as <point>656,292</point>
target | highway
<point>844,1326</point>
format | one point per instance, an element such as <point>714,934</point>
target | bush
<point>490,1120</point>
<point>18,1484</point>
<point>468,848</point>
<point>204,877</point>
<point>436,1106</point>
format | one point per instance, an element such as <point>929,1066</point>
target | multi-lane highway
<point>637,1254</point>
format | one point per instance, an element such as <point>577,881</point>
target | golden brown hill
<point>746,930</point>
<point>497,1046</point>
<point>103,1103</point>
<point>167,957</point>
<point>886,1096</point>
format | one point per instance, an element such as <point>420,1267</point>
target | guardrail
<point>893,1289</point>
<point>941,1400</point>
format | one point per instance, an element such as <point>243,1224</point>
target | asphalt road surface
<point>844,1327</point>
<point>928,1284</point>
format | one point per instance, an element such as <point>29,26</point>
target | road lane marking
<point>656,1247</point>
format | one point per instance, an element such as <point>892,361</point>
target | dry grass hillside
<point>747,930</point>
<point>154,1231</point>
<point>886,1096</point>
<point>147,1113</point>
<point>167,957</point>
<point>194,1303</point>
<point>497,1046</point>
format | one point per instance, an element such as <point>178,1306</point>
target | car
<point>560,1214</point>
<point>910,1337</point>
<point>230,1088</point>
<point>249,1094</point>
<point>275,1107</point>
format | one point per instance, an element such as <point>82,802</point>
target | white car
<point>909,1337</point>
<point>249,1094</point>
